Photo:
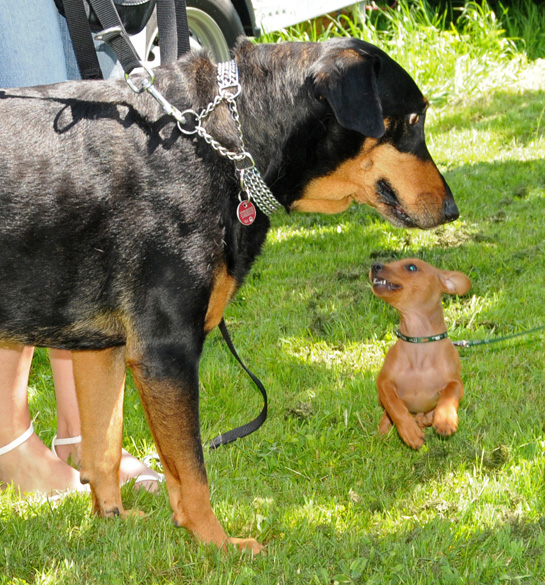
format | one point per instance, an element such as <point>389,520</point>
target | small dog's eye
<point>411,268</point>
<point>413,119</point>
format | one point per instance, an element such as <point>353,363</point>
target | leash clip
<point>146,85</point>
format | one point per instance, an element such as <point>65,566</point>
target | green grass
<point>333,501</point>
<point>448,61</point>
<point>524,21</point>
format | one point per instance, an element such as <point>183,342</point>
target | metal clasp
<point>146,84</point>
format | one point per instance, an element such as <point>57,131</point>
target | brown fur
<point>419,384</point>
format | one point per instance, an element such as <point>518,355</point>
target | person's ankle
<point>12,431</point>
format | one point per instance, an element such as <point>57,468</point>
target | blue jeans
<point>31,48</point>
<point>35,46</point>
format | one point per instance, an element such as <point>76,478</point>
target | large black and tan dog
<point>119,237</point>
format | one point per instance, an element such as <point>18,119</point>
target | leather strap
<point>82,39</point>
<point>253,425</point>
<point>171,21</point>
<point>115,34</point>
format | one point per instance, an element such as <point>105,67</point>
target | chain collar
<point>190,122</point>
<point>421,339</point>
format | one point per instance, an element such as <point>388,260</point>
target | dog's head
<point>373,103</point>
<point>413,284</point>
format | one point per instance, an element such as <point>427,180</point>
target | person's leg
<point>31,466</point>
<point>110,66</point>
<point>68,422</point>
<point>31,50</point>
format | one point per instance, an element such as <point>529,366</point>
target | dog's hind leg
<point>100,381</point>
<point>171,405</point>
<point>385,423</point>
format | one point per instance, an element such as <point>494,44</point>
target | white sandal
<point>68,441</point>
<point>52,497</point>
<point>18,441</point>
<point>76,440</point>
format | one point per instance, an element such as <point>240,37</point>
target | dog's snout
<point>450,209</point>
<point>377,267</point>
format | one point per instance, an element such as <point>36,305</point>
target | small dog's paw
<point>445,422</point>
<point>412,435</point>
<point>424,420</point>
<point>247,544</point>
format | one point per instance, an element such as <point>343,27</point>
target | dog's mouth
<point>381,284</point>
<point>398,216</point>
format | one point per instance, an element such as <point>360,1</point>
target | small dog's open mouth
<point>388,196</point>
<point>381,283</point>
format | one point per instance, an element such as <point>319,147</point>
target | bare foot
<point>130,467</point>
<point>32,467</point>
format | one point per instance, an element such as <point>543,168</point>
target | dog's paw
<point>247,544</point>
<point>445,422</point>
<point>424,420</point>
<point>412,435</point>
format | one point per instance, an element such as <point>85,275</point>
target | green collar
<point>421,339</point>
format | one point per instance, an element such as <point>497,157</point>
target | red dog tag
<point>246,212</point>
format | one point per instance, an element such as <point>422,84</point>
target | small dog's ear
<point>454,283</point>
<point>347,79</point>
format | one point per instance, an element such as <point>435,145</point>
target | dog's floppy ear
<point>454,283</point>
<point>347,79</point>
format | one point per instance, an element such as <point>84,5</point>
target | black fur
<point>113,223</point>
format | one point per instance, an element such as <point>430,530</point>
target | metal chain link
<point>229,88</point>
<point>257,189</point>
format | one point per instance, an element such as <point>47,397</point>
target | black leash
<point>248,428</point>
<point>82,39</point>
<point>171,22</point>
<point>173,42</point>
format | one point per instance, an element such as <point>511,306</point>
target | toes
<point>445,424</point>
<point>247,544</point>
<point>413,436</point>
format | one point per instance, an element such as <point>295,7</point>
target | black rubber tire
<point>223,13</point>
<point>213,24</point>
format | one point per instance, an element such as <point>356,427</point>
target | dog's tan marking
<point>418,184</point>
<point>100,381</point>
<point>177,439</point>
<point>225,287</point>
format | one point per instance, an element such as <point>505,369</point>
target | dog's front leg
<point>407,428</point>
<point>168,387</point>
<point>100,381</point>
<point>445,420</point>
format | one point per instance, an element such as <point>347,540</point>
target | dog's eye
<point>411,268</point>
<point>413,119</point>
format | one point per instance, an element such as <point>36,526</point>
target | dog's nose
<point>377,267</point>
<point>450,209</point>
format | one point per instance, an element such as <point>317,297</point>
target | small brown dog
<point>421,372</point>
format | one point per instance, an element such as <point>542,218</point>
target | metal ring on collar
<point>184,120</point>
<point>244,162</point>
